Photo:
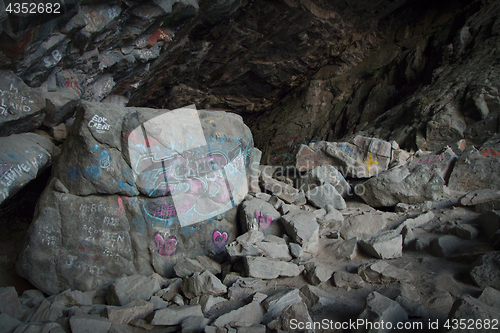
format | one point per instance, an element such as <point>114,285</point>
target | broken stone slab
<point>308,158</point>
<point>469,308</point>
<point>9,303</point>
<point>332,214</point>
<point>277,303</point>
<point>60,106</point>
<point>362,157</point>
<point>317,273</point>
<point>324,195</point>
<point>194,324</point>
<point>173,288</point>
<point>325,174</point>
<point>284,321</point>
<point>246,244</point>
<point>47,312</point>
<point>175,315</point>
<point>380,309</point>
<point>381,272</point>
<point>446,246</point>
<point>257,214</point>
<point>23,157</point>
<point>244,287</point>
<point>484,200</point>
<point>8,323</point>
<point>490,223</point>
<point>246,315</point>
<point>208,301</point>
<point>342,279</point>
<point>490,296</point>
<point>137,309</point>
<point>204,283</point>
<point>466,231</point>
<point>275,248</point>
<point>73,297</point>
<point>385,245</point>
<point>343,249</point>
<point>486,271</point>
<point>129,288</point>
<point>357,225</point>
<point>43,327</point>
<point>89,323</point>
<point>158,302</point>
<point>303,228</point>
<point>407,184</point>
<point>416,222</point>
<point>265,268</point>
<point>22,107</point>
<point>441,161</point>
<point>476,169</point>
<point>315,297</point>
<point>252,329</point>
<point>186,266</point>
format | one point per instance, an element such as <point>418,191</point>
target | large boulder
<point>135,190</point>
<point>418,180</point>
<point>477,169</point>
<point>22,158</point>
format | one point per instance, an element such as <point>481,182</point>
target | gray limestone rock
<point>490,223</point>
<point>264,268</point>
<point>466,231</point>
<point>343,249</point>
<point>73,297</point>
<point>342,279</point>
<point>379,308</point>
<point>324,195</point>
<point>175,315</point>
<point>411,183</point>
<point>186,266</point>
<point>446,246</point>
<point>61,106</point>
<point>476,169</point>
<point>490,296</point>
<point>386,245</point>
<point>207,301</point>
<point>22,107</point>
<point>8,323</point>
<point>302,227</point>
<point>203,284</point>
<point>486,271</point>
<point>9,303</point>
<point>277,303</point>
<point>483,200</point>
<point>381,272</point>
<point>365,224</point>
<point>89,324</point>
<point>417,221</point>
<point>315,297</point>
<point>194,324</point>
<point>257,214</point>
<point>137,309</point>
<point>317,273</point>
<point>246,315</point>
<point>129,288</point>
<point>22,158</point>
<point>469,308</point>
<point>47,312</point>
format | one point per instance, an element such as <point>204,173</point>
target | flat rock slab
<point>22,158</point>
<point>487,271</point>
<point>21,108</point>
<point>469,308</point>
<point>129,288</point>
<point>264,268</point>
<point>382,272</point>
<point>186,266</point>
<point>175,315</point>
<point>203,284</point>
<point>89,324</point>
<point>257,214</point>
<point>383,309</point>
<point>303,228</point>
<point>386,245</point>
<point>246,315</point>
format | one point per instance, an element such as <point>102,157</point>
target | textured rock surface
<point>114,235</point>
<point>22,158</point>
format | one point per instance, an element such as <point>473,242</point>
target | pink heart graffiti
<point>264,220</point>
<point>220,239</point>
<point>165,247</point>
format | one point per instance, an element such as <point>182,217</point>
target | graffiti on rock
<point>263,219</point>
<point>165,247</point>
<point>369,162</point>
<point>202,178</point>
<point>99,124</point>
<point>220,239</point>
<point>13,101</point>
<point>489,151</point>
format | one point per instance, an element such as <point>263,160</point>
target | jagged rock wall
<point>305,71</point>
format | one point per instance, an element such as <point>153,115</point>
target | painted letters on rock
<point>134,190</point>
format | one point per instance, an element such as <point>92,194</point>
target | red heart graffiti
<point>220,238</point>
<point>165,247</point>
<point>264,220</point>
